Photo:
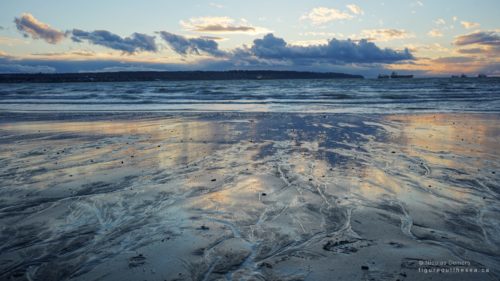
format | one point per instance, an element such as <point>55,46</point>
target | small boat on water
<point>393,75</point>
<point>396,75</point>
<point>480,75</point>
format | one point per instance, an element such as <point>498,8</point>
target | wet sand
<point>249,196</point>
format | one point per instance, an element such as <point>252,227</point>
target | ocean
<point>251,180</point>
<point>334,96</point>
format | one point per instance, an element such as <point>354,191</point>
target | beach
<point>249,195</point>
<point>249,140</point>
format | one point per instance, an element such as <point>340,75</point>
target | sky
<point>426,38</point>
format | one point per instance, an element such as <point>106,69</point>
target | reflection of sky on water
<point>261,177</point>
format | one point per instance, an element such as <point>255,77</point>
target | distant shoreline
<point>137,76</point>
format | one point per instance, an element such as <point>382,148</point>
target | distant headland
<point>168,76</point>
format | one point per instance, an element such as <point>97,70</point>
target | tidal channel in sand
<point>249,196</point>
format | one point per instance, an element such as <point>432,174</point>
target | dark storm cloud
<point>491,38</point>
<point>136,42</point>
<point>335,51</point>
<point>183,45</point>
<point>30,26</point>
<point>272,50</point>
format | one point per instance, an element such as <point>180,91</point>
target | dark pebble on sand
<point>136,261</point>
<point>214,179</point>
<point>331,245</point>
<point>266,264</point>
<point>364,267</point>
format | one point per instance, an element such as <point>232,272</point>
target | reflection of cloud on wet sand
<point>249,195</point>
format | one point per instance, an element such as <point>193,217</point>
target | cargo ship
<point>395,75</point>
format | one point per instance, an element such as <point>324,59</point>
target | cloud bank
<point>322,15</point>
<point>221,25</point>
<point>490,38</point>
<point>355,9</point>
<point>136,42</point>
<point>385,34</point>
<point>479,43</point>
<point>30,26</point>
<point>435,33</point>
<point>335,51</point>
<point>184,46</point>
<point>275,49</point>
<point>469,25</point>
<point>269,51</point>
